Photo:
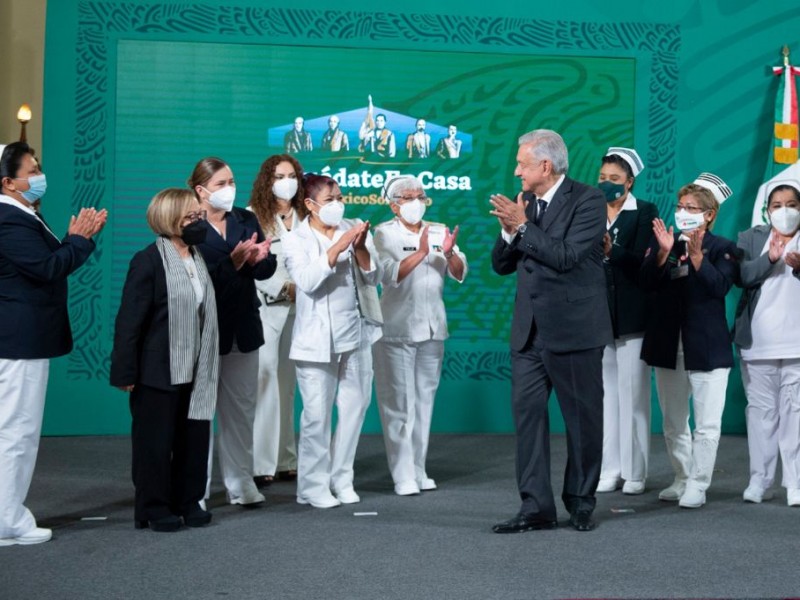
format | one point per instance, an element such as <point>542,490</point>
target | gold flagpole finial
<point>786,56</point>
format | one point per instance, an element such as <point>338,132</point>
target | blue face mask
<point>612,191</point>
<point>38,186</point>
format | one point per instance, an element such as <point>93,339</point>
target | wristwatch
<point>521,229</point>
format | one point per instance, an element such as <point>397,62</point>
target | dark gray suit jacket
<point>561,283</point>
<point>754,269</point>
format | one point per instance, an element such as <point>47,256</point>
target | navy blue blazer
<point>34,266</point>
<point>141,332</point>
<point>630,235</point>
<point>690,307</point>
<point>561,287</point>
<point>237,303</point>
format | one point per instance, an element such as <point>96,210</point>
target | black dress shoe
<point>164,524</point>
<point>582,520</point>
<point>197,518</point>
<point>263,481</point>
<point>523,522</point>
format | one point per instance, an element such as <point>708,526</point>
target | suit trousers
<point>692,460</point>
<point>773,420</point>
<point>346,382</point>
<point>236,409</point>
<point>169,452</point>
<point>273,430</point>
<point>23,386</point>
<point>577,378</point>
<point>626,410</point>
<point>406,379</point>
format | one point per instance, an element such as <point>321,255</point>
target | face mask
<point>687,221</point>
<point>194,233</point>
<point>332,213</point>
<point>612,191</point>
<point>785,219</point>
<point>38,186</point>
<point>284,189</point>
<point>223,198</point>
<point>412,211</point>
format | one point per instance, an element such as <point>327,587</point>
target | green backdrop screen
<point>177,102</point>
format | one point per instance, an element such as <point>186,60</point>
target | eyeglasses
<point>197,215</point>
<point>689,208</point>
<point>402,199</point>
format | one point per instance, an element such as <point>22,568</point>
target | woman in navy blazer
<point>626,378</point>
<point>236,253</point>
<point>687,338</point>
<point>166,354</point>
<point>34,265</point>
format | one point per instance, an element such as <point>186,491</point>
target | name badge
<point>409,249</point>
<point>678,272</point>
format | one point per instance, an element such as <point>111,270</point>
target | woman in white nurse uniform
<point>335,268</point>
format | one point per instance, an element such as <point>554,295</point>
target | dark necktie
<point>540,213</point>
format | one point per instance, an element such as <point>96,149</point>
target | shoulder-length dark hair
<point>262,198</point>
<point>11,159</point>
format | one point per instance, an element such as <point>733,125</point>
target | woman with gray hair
<point>415,257</point>
<point>166,355</point>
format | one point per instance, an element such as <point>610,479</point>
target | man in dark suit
<point>561,323</point>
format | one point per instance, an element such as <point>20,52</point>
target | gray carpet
<point>436,545</point>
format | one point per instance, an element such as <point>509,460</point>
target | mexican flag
<point>782,164</point>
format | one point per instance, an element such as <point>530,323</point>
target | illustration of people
<point>449,147</point>
<point>375,138</point>
<point>298,139</point>
<point>335,140</point>
<point>418,143</point>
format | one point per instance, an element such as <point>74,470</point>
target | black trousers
<point>170,452</point>
<point>578,381</point>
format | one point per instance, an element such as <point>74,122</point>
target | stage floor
<point>436,545</point>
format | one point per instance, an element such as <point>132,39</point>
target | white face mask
<point>284,189</point>
<point>412,211</point>
<point>223,198</point>
<point>785,219</point>
<point>686,221</point>
<point>332,213</point>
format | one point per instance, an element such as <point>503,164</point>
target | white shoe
<point>248,498</point>
<point>426,484</point>
<point>37,535</point>
<point>755,494</point>
<point>693,497</point>
<point>633,488</point>
<point>348,496</point>
<point>610,484</point>
<point>673,493</point>
<point>324,500</point>
<point>406,488</point>
<point>793,497</point>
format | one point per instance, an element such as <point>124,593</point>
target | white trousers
<point>692,461</point>
<point>406,379</point>
<point>273,431</point>
<point>773,419</point>
<point>23,386</point>
<point>236,408</point>
<point>626,410</point>
<point>345,381</point>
